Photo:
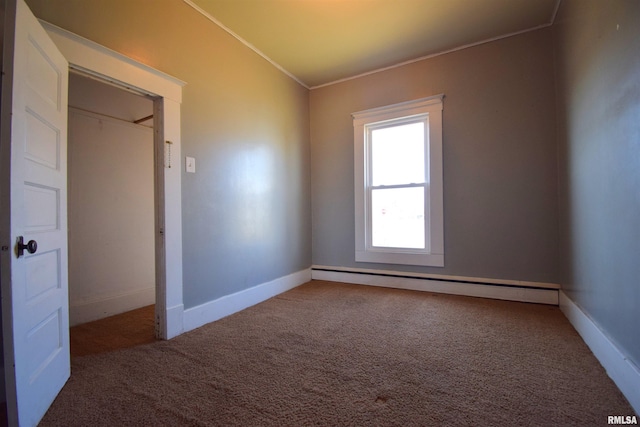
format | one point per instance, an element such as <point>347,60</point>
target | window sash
<point>423,183</point>
<point>416,110</point>
<point>370,128</point>
<point>425,221</point>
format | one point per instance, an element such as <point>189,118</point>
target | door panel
<point>43,143</point>
<point>35,291</point>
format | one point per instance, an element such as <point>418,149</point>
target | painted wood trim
<point>624,373</point>
<point>406,108</point>
<point>174,318</point>
<point>501,292</point>
<point>244,42</point>
<point>428,111</point>
<point>168,113</point>
<point>83,311</point>
<point>102,63</point>
<point>224,306</point>
<point>555,12</point>
<point>434,55</point>
<point>507,282</point>
<point>83,54</point>
<point>411,61</point>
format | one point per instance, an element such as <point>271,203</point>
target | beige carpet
<point>330,354</point>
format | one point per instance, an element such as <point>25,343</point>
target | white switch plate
<point>190,163</point>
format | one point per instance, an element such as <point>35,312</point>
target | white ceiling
<point>323,41</point>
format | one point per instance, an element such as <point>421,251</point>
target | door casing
<point>95,60</point>
<point>100,62</point>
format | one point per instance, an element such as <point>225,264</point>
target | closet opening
<point>111,212</point>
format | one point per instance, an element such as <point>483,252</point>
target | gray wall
<point>597,48</point>
<point>500,180</point>
<point>246,212</point>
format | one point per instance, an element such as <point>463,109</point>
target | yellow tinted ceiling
<point>320,41</point>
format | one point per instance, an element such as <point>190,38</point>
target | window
<point>398,183</point>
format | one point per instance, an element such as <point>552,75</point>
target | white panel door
<point>34,280</point>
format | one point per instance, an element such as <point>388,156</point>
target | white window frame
<point>428,110</point>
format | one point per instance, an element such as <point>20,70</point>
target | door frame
<point>93,59</point>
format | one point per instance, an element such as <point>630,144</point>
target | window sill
<point>430,260</point>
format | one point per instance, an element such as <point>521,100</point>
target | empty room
<point>357,212</point>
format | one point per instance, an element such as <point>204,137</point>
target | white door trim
<point>92,58</point>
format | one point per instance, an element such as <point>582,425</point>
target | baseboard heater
<point>544,293</point>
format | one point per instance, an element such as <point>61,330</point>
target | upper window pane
<point>397,154</point>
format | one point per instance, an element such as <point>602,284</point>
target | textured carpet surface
<point>329,354</point>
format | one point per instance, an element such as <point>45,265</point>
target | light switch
<point>190,164</point>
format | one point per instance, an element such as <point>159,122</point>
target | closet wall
<point>111,201</point>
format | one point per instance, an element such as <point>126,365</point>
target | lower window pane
<point>397,218</point>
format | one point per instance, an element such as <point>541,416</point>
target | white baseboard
<point>109,305</point>
<point>624,373</point>
<point>175,321</point>
<point>440,277</point>
<point>484,288</point>
<point>214,310</point>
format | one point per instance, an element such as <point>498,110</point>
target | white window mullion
<point>391,187</point>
